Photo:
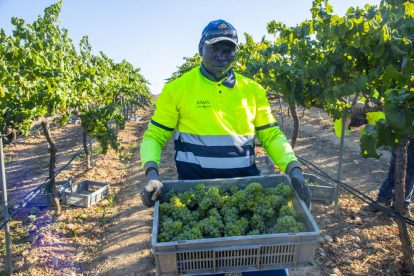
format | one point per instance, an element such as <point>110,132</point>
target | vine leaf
<point>368,146</point>
<point>400,118</point>
<point>386,136</point>
<point>391,73</point>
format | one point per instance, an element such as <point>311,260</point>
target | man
<point>386,191</point>
<point>216,114</point>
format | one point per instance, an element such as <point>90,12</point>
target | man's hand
<point>153,190</point>
<point>300,185</point>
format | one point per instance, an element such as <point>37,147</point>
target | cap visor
<point>217,39</point>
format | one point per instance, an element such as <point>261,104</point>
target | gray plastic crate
<point>325,190</point>
<point>44,197</point>
<point>265,165</point>
<point>85,193</point>
<point>235,254</point>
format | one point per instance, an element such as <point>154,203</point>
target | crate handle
<point>258,257</point>
<point>295,258</point>
<point>214,261</point>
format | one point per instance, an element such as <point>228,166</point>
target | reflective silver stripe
<point>215,140</point>
<point>214,162</point>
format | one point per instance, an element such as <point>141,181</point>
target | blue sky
<point>156,35</point>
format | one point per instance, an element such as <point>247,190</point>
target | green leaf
<point>367,144</point>
<point>329,8</point>
<point>340,30</point>
<point>398,117</point>
<point>378,50</point>
<point>362,82</point>
<point>350,10</point>
<point>386,136</point>
<point>370,129</point>
<point>404,63</point>
<point>330,71</point>
<point>390,73</point>
<point>82,217</point>
<point>103,218</point>
<point>402,97</point>
<point>73,232</point>
<point>384,35</point>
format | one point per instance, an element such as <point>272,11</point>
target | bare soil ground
<point>116,237</point>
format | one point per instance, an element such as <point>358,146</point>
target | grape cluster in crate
<point>198,214</point>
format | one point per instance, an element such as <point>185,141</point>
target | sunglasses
<point>216,32</point>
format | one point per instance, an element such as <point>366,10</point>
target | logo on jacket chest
<point>203,104</point>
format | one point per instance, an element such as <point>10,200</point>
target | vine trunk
<point>86,149</point>
<point>399,178</point>
<point>281,114</point>
<point>295,124</point>
<point>52,165</point>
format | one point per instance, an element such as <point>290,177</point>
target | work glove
<point>300,185</point>
<point>153,190</point>
<point>358,120</point>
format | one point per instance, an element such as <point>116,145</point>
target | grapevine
<point>44,80</point>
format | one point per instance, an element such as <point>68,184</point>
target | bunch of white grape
<point>198,214</point>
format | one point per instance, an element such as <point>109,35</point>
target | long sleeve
<point>160,128</point>
<point>270,136</point>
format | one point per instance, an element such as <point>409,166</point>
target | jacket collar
<point>229,82</point>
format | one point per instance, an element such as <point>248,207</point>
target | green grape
<point>276,201</point>
<point>212,226</point>
<point>200,191</point>
<point>188,198</point>
<point>222,192</point>
<point>169,229</point>
<point>287,192</point>
<point>198,214</point>
<point>171,193</point>
<point>211,199</point>
<point>288,224</point>
<point>230,214</point>
<point>233,190</point>
<point>285,210</point>
<point>254,232</point>
<point>257,223</point>
<point>253,188</point>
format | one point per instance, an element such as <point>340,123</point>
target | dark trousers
<point>386,192</point>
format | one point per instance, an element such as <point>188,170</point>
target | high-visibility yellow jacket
<point>372,118</point>
<point>215,125</point>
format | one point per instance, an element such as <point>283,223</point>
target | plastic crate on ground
<point>44,197</point>
<point>85,193</point>
<point>265,165</point>
<point>235,254</point>
<point>325,190</point>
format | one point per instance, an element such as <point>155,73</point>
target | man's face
<point>218,57</point>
